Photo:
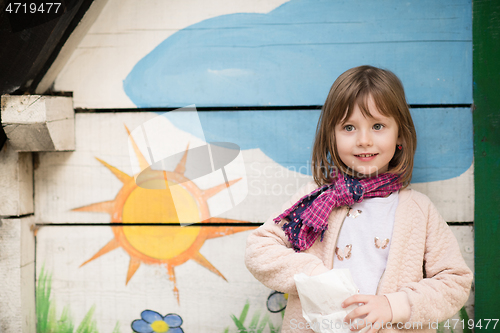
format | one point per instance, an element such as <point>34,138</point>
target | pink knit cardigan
<point>426,279</point>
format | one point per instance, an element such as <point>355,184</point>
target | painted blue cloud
<point>444,147</point>
<point>292,55</point>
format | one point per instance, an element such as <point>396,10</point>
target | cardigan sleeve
<point>270,257</point>
<point>447,280</point>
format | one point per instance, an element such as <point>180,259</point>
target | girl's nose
<point>364,139</point>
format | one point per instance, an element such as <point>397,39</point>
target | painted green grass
<point>46,312</point>
<point>257,323</point>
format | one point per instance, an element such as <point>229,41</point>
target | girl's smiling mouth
<point>366,157</point>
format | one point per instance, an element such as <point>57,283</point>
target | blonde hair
<point>354,87</point>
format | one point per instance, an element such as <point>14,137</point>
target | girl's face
<point>367,145</point>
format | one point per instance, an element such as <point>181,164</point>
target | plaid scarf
<point>308,217</point>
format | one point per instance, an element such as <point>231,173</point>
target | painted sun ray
<point>208,193</point>
<point>101,207</point>
<point>181,166</point>
<point>200,259</point>
<point>171,276</point>
<point>113,244</point>
<point>143,163</point>
<point>122,176</point>
<point>132,268</point>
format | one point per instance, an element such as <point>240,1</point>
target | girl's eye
<point>349,128</point>
<point>378,127</point>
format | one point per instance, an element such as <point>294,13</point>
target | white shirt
<point>364,241</point>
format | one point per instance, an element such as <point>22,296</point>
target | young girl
<point>359,214</point>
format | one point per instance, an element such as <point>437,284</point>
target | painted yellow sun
<point>139,204</point>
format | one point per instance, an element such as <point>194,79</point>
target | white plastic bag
<point>321,297</point>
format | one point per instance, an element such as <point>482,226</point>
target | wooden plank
<point>487,156</point>
<point>206,300</point>
<point>465,238</point>
<point>17,269</point>
<point>275,164</point>
<point>117,45</point>
<point>16,181</point>
<point>290,55</point>
<point>454,198</point>
<point>59,174</point>
<point>441,152</point>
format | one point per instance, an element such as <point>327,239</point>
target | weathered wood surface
<point>465,238</point>
<point>70,45</point>
<point>267,53</point>
<point>454,198</point>
<point>428,44</point>
<point>16,182</point>
<point>206,300</point>
<point>17,272</point>
<point>124,33</point>
<point>39,123</point>
<point>66,181</point>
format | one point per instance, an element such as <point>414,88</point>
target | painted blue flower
<point>153,322</point>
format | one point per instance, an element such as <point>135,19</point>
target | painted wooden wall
<point>104,246</point>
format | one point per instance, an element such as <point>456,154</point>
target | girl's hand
<point>375,310</point>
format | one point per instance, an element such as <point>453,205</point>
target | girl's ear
<point>399,140</point>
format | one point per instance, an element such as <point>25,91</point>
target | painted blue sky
<point>292,55</point>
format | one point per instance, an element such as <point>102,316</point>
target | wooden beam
<point>16,182</point>
<point>70,45</point>
<point>17,270</point>
<point>39,123</point>
<point>486,120</point>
